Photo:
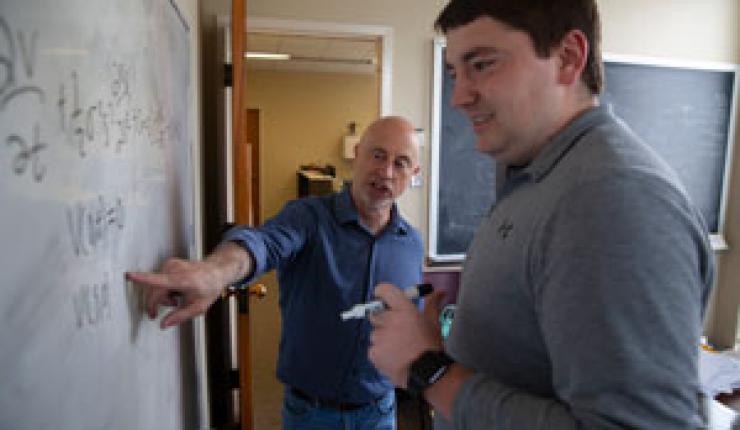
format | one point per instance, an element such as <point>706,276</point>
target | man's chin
<point>491,148</point>
<point>380,204</point>
<point>485,144</point>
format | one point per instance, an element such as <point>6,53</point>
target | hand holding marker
<point>362,310</point>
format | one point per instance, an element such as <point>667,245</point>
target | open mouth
<point>381,188</point>
<point>481,121</point>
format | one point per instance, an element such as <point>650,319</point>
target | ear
<point>573,54</point>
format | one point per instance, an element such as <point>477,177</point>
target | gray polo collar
<point>561,143</point>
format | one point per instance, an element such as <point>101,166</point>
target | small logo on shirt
<point>505,229</point>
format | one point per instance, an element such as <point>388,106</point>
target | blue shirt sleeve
<point>278,240</point>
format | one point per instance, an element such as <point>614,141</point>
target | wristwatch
<point>426,370</point>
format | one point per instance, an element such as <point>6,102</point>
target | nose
<point>386,169</point>
<point>463,92</point>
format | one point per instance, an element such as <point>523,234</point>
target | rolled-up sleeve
<point>278,240</point>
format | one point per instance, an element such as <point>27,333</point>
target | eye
<point>483,65</point>
<point>402,163</point>
<point>379,156</point>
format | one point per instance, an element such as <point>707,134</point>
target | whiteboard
<point>96,178</point>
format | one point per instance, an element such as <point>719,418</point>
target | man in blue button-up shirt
<point>329,252</point>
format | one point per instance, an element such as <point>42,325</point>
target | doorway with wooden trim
<point>302,112</point>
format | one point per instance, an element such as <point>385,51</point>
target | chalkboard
<point>462,185</point>
<point>685,111</point>
<point>96,178</point>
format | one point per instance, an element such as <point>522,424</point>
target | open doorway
<point>307,104</point>
<point>304,106</point>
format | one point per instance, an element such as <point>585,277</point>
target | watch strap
<point>427,369</point>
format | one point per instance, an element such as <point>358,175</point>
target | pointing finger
<point>159,280</point>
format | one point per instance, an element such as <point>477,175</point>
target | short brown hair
<point>545,21</point>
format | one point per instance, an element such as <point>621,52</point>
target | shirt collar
<point>561,143</point>
<point>346,212</point>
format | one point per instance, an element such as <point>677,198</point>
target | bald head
<point>386,158</point>
<point>389,126</point>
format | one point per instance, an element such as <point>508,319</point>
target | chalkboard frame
<point>438,71</point>
<point>438,122</point>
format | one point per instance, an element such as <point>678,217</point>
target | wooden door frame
<point>253,147</point>
<point>243,213</point>
<point>241,180</point>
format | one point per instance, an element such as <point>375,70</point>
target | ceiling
<point>315,53</point>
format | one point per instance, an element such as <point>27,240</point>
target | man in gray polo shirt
<point>583,292</point>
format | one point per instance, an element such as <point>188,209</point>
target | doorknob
<point>258,290</point>
<point>242,295</point>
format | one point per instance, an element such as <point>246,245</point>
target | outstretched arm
<point>197,283</point>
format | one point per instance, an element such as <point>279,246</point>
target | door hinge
<point>228,75</point>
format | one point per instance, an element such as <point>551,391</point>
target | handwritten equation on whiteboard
<point>88,113</point>
<point>108,121</point>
